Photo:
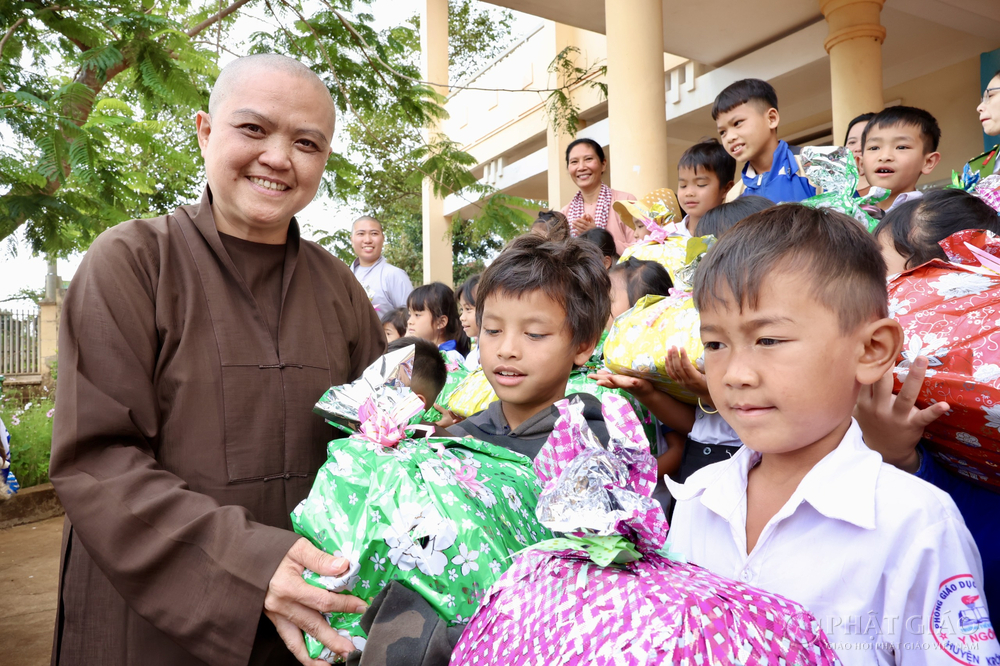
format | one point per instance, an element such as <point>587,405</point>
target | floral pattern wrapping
<point>442,516</point>
<point>456,375</point>
<point>639,339</point>
<point>678,254</point>
<point>949,313</point>
<point>650,610</point>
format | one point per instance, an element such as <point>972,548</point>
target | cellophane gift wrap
<point>833,171</point>
<point>678,254</point>
<point>457,373</point>
<point>950,313</point>
<point>639,339</point>
<point>442,516</point>
<point>606,592</point>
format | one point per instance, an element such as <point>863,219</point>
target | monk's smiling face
<point>266,141</point>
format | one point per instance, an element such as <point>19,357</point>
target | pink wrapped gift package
<point>607,592</point>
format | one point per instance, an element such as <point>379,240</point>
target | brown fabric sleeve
<point>194,569</point>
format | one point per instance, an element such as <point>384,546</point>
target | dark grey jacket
<point>491,426</point>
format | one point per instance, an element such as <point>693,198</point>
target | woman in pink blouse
<point>591,207</point>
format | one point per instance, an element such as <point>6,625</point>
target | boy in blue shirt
<point>746,115</point>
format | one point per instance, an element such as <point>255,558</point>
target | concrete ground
<point>29,580</point>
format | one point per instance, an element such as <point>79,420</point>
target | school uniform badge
<point>961,624</point>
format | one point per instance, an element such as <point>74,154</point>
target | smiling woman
<point>591,207</point>
<point>265,149</point>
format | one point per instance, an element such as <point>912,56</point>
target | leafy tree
<point>97,96</point>
<point>390,158</point>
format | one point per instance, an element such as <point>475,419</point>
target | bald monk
<point>192,349</point>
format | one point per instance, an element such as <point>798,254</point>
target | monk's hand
<point>294,606</point>
<point>680,369</point>
<point>893,424</point>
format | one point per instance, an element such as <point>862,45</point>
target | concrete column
<point>637,113</point>
<point>855,48</point>
<point>434,66</point>
<point>49,310</point>
<point>561,187</point>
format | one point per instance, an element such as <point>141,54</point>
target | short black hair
<point>863,118</point>
<point>918,226</point>
<point>467,290</point>
<point>843,262</point>
<point>571,273</point>
<point>439,300</point>
<point>708,154</point>
<point>907,115</point>
<point>590,142</point>
<point>552,224</point>
<point>643,278</point>
<point>604,241</point>
<point>397,318</point>
<point>429,370</point>
<point>746,91</point>
<point>724,217</point>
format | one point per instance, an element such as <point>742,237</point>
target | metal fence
<point>19,342</point>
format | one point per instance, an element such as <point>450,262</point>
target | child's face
<point>854,138</point>
<point>641,232</point>
<point>390,332</point>
<point>782,375</point>
<point>527,352</point>
<point>989,111</point>
<point>894,157</point>
<point>619,296</point>
<point>745,131</point>
<point>699,190</point>
<point>421,324</point>
<point>467,315</point>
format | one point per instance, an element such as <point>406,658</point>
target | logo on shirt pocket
<point>961,624</point>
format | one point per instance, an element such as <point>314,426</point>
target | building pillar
<point>561,187</point>
<point>434,67</point>
<point>637,101</point>
<point>855,48</point>
<point>49,309</point>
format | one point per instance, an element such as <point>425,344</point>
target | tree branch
<point>212,20</point>
<point>10,32</point>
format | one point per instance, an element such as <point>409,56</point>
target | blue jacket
<point>783,183</point>
<point>980,508</point>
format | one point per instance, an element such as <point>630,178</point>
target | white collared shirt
<point>678,228</point>
<point>881,558</point>
<point>904,197</point>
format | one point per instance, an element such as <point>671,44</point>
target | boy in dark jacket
<point>541,308</point>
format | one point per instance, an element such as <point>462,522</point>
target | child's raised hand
<point>893,424</point>
<point>680,369</point>
<point>448,417</point>
<point>634,385</point>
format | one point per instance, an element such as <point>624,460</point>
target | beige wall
<point>950,95</point>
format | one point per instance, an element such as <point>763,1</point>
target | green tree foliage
<point>97,99</point>
<point>390,158</point>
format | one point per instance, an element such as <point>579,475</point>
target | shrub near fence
<point>29,421</point>
<point>19,338</point>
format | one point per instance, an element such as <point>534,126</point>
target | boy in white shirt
<point>794,320</point>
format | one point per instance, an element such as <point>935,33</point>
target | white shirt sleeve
<point>935,600</point>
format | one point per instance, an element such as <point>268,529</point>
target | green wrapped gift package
<point>456,375</point>
<point>833,171</point>
<point>442,516</point>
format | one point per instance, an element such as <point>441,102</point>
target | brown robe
<point>184,437</point>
